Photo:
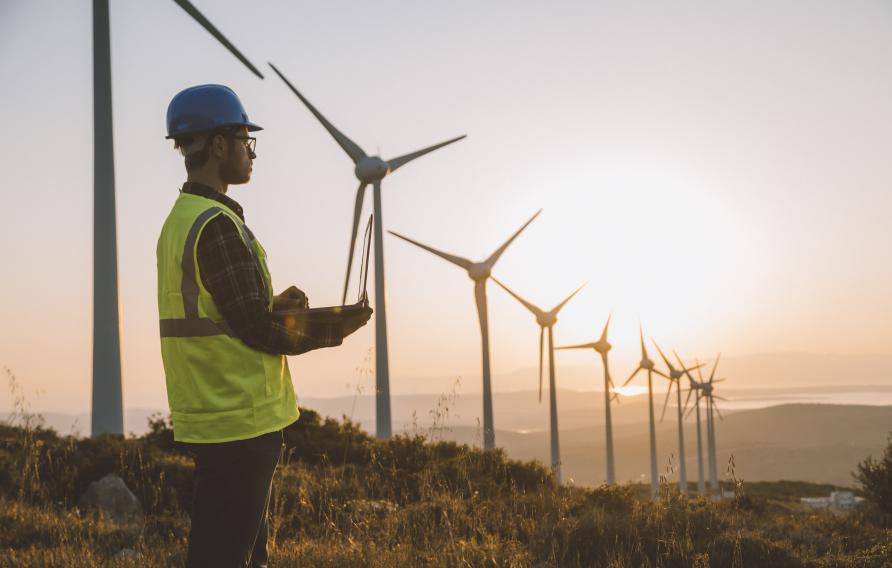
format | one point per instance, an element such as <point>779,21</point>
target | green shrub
<point>875,477</point>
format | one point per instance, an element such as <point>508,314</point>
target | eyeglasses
<point>250,142</point>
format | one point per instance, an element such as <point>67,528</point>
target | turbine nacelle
<point>546,319</point>
<point>602,346</point>
<point>676,374</point>
<point>479,271</point>
<point>371,169</point>
<point>646,364</point>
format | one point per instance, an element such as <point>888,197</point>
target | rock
<point>110,496</point>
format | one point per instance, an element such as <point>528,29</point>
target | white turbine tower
<point>370,170</point>
<point>479,272</point>
<point>107,399</point>
<point>546,320</point>
<point>646,364</point>
<point>675,376</point>
<point>602,347</point>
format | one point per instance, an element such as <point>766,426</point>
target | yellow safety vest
<point>219,389</point>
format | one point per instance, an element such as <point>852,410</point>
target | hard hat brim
<point>249,125</point>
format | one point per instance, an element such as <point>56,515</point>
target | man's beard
<point>232,174</point>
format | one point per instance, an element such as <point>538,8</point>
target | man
<point>224,335</point>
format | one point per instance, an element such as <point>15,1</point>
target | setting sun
<point>631,390</point>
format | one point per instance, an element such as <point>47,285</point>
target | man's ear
<point>218,145</point>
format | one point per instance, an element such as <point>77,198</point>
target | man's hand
<point>355,321</point>
<point>292,298</point>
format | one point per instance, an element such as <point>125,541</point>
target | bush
<point>875,477</point>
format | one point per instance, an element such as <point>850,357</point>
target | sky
<point>718,170</point>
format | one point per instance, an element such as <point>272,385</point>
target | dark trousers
<point>230,509</point>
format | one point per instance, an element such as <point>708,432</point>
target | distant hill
<point>135,421</point>
<point>809,442</point>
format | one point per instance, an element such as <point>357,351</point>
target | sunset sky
<point>720,170</point>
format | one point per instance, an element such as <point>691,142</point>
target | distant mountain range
<point>808,442</point>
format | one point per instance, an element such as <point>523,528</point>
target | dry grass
<point>346,499</point>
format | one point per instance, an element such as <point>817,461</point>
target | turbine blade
<point>396,163</point>
<point>643,347</point>
<point>663,355</point>
<point>662,374</point>
<point>719,380</point>
<point>715,396</point>
<point>680,362</point>
<point>715,365</point>
<point>480,298</point>
<point>632,376</point>
<point>686,370</point>
<point>494,257</point>
<point>689,411</point>
<point>349,146</point>
<point>716,408</point>
<point>688,399</point>
<point>536,311</point>
<point>580,346</point>
<point>541,350</point>
<point>606,326</point>
<point>666,402</point>
<point>357,211</point>
<point>699,373</point>
<point>206,24</point>
<point>457,260</point>
<point>567,299</point>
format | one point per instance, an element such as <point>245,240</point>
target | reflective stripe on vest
<point>194,327</point>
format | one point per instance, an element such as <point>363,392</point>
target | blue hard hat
<point>205,107</point>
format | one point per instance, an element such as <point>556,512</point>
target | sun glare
<point>631,390</point>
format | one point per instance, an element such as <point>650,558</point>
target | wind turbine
<point>107,398</point>
<point>711,409</point>
<point>674,377</point>
<point>370,170</point>
<point>646,364</point>
<point>603,347</point>
<point>479,272</point>
<point>695,387</point>
<point>546,320</point>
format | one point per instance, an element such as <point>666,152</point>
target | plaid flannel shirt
<point>230,273</point>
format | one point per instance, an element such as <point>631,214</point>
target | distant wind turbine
<point>546,320</point>
<point>479,272</point>
<point>603,347</point>
<point>370,170</point>
<point>711,410</point>
<point>646,364</point>
<point>107,399</point>
<point>675,376</point>
<point>695,388</point>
